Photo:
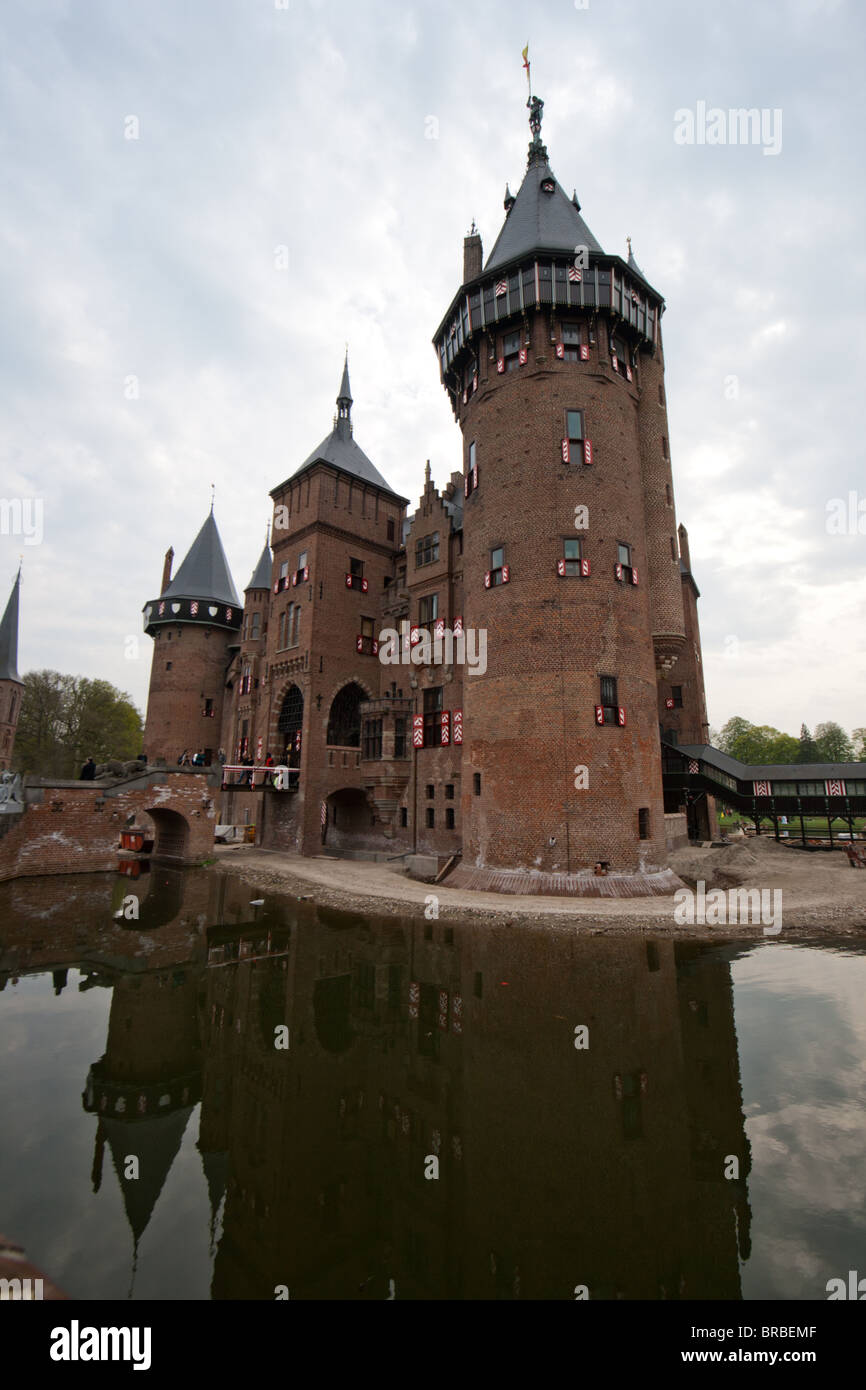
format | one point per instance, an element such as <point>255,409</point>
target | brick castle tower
<point>11,685</point>
<point>551,355</point>
<point>193,624</point>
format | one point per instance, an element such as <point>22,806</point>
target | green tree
<point>756,743</point>
<point>834,745</point>
<point>65,719</point>
<point>731,733</point>
<point>807,751</point>
<point>858,737</point>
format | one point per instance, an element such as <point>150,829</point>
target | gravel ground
<point>821,894</point>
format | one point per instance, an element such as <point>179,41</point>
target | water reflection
<point>558,1166</point>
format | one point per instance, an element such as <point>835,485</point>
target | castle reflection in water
<point>558,1166</point>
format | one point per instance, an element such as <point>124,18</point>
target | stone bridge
<point>75,827</point>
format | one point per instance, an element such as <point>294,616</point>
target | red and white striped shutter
<point>628,371</point>
<point>599,714</point>
<point>506,573</point>
<point>620,717</point>
<point>443,1010</point>
<point>835,787</point>
<point>364,586</point>
<point>762,788</point>
<point>500,365</point>
<point>694,767</point>
<point>521,356</point>
<point>584,352</point>
<point>464,397</point>
<point>458,627</point>
<point>669,702</point>
<point>566,451</point>
<point>417,731</point>
<point>294,579</point>
<point>414,998</point>
<point>348,581</point>
<point>458,726</point>
<point>587,451</point>
<point>457,1013</point>
<point>487,579</point>
<point>634,574</point>
<point>375,647</point>
<point>560,567</point>
<point>617,569</point>
<point>359,643</point>
<point>474,381</point>
<point>584,569</point>
<point>258,750</point>
<point>560,349</point>
<point>306,573</point>
<point>466,485</point>
<point>475,476</point>
<point>446,727</point>
<point>414,636</point>
<point>277,587</point>
<point>298,741</point>
<point>439,629</point>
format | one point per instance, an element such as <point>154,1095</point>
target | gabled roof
<point>540,221</point>
<point>786,772</point>
<point>205,571</point>
<point>9,636</point>
<point>261,576</point>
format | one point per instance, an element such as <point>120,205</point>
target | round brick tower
<point>194,622</point>
<point>551,355</point>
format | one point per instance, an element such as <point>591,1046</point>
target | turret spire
<point>9,634</point>
<point>344,399</point>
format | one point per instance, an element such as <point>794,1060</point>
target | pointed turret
<point>261,575</point>
<point>202,591</point>
<point>10,681</point>
<point>9,636</point>
<point>344,399</point>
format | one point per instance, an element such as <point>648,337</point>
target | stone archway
<point>290,722</point>
<point>171,841</point>
<point>352,821</point>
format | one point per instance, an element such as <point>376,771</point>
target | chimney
<point>166,569</point>
<point>472,255</point>
<point>684,547</point>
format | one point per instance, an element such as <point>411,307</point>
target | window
<point>168,666</point>
<point>574,427</point>
<point>390,528</point>
<point>643,829</point>
<point>246,627</point>
<point>404,817</point>
<point>428,610</point>
<point>426,549</point>
<point>295,623</point>
<point>284,575</point>
<point>282,635</point>
<point>344,720</point>
<point>511,351</point>
<point>400,738</point>
<point>449,791</point>
<point>571,342</point>
<point>302,560</point>
<point>433,717</point>
<point>571,549</point>
<point>431,791</point>
<point>677,693</point>
<point>372,739</point>
<point>664,447</point>
<point>609,700</point>
<point>624,568</point>
<point>498,573</point>
<point>355,577</point>
<point>208,710</point>
<point>476,783</point>
<point>789,788</point>
<point>449,818</point>
<point>470,482</point>
<point>366,640</point>
<point>431,818</point>
<point>620,357</point>
<point>256,629</point>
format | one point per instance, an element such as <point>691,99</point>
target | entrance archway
<point>289,725</point>
<point>172,834</point>
<point>351,821</point>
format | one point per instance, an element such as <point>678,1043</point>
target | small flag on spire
<point>526,65</point>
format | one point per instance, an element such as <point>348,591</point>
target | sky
<point>203,203</point>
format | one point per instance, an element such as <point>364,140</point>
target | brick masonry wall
<point>175,719</point>
<point>10,708</point>
<point>75,828</point>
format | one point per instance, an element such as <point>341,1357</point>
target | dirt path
<point>819,892</point>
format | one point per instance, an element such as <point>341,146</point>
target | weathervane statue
<point>535,104</point>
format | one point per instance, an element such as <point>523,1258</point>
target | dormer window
<point>547,186</point>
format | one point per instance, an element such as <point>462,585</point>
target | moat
<point>238,1094</point>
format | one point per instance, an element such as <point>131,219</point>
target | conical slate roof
<point>155,1142</point>
<point>540,221</point>
<point>261,576</point>
<point>339,448</point>
<point>9,636</point>
<point>205,571</point>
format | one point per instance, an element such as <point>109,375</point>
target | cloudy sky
<point>204,202</point>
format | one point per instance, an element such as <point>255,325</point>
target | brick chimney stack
<point>473,256</point>
<point>166,569</point>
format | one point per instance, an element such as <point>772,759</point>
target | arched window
<point>13,701</point>
<point>344,721</point>
<point>291,717</point>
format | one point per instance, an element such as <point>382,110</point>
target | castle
<point>488,678</point>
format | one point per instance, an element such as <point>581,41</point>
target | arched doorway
<point>172,834</point>
<point>351,821</point>
<point>344,719</point>
<point>289,725</point>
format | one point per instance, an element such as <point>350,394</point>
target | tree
<point>756,744</point>
<point>731,733</point>
<point>833,744</point>
<point>858,737</point>
<point>65,719</point>
<point>807,751</point>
